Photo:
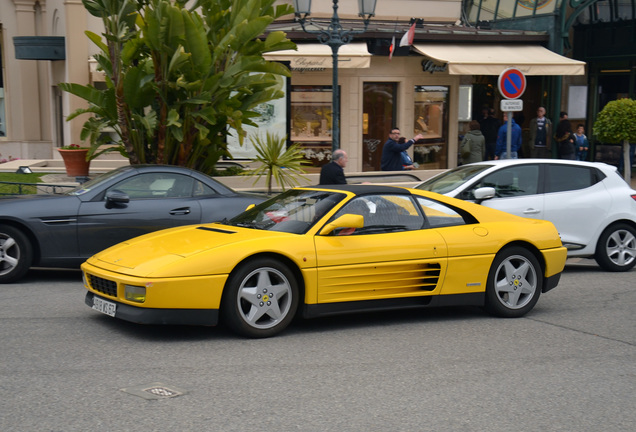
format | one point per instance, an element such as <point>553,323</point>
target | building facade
<point>435,85</point>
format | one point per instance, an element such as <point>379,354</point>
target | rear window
<point>439,215</point>
<point>562,178</point>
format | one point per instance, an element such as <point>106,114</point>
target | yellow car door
<point>392,256</point>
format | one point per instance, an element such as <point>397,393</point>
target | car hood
<point>154,253</point>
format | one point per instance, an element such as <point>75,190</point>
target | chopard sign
<point>429,66</point>
<point>303,64</point>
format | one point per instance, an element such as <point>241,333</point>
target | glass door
<point>379,106</point>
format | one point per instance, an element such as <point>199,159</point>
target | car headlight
<point>135,293</point>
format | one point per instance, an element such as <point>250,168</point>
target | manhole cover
<point>154,391</point>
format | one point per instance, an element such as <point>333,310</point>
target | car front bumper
<point>142,315</point>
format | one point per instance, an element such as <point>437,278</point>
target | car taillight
<point>634,197</point>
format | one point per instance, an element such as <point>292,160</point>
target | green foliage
<point>276,162</point>
<point>180,77</point>
<point>616,122</point>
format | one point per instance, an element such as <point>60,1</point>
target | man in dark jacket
<point>540,143</point>
<point>333,172</point>
<point>392,151</point>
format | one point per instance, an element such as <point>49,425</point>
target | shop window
<point>431,120</point>
<point>311,122</point>
<point>272,118</point>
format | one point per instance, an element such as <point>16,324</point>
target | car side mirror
<point>116,198</point>
<point>344,221</point>
<point>484,193</point>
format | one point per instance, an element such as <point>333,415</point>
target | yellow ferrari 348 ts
<point>324,250</point>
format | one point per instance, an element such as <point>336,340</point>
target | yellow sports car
<point>325,250</point>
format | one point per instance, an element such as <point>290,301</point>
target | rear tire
<point>616,248</point>
<point>16,254</point>
<point>260,298</point>
<point>514,283</point>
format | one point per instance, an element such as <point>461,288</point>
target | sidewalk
<point>58,174</point>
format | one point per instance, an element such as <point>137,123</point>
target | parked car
<point>591,205</point>
<point>321,251</point>
<point>64,230</point>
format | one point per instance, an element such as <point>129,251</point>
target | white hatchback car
<point>590,204</point>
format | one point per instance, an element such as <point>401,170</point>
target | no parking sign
<point>512,83</point>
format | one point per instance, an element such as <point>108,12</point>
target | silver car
<point>590,204</point>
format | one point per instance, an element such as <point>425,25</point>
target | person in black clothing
<point>392,151</point>
<point>565,140</point>
<point>489,126</point>
<point>333,172</point>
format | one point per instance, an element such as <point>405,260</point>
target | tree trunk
<point>627,162</point>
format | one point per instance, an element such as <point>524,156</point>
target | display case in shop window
<point>431,120</point>
<point>311,122</point>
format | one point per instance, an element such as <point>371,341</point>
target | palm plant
<point>180,76</point>
<point>276,162</point>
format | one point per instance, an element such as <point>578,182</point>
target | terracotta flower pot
<point>75,162</point>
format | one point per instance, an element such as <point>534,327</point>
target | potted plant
<point>75,159</point>
<point>284,165</point>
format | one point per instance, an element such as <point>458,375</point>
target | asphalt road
<point>570,365</point>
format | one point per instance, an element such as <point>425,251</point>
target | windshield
<point>294,211</point>
<point>451,180</point>
<point>86,187</point>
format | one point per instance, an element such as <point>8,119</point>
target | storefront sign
<point>310,64</point>
<point>430,66</point>
<point>320,63</point>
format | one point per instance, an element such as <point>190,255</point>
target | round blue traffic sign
<point>512,83</point>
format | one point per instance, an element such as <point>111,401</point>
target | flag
<point>392,48</point>
<point>408,37</point>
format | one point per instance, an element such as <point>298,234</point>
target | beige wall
<point>27,105</point>
<point>32,99</point>
<point>429,10</point>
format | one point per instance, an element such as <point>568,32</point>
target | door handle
<point>180,211</point>
<point>531,211</point>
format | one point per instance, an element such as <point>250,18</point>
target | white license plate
<point>104,306</point>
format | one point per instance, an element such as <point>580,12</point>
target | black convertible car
<point>64,230</point>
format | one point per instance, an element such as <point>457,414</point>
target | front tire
<point>514,283</point>
<point>260,298</point>
<point>16,254</point>
<point>616,248</point>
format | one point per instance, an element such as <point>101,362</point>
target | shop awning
<point>485,59</point>
<point>318,56</point>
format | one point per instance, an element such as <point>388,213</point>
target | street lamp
<point>335,37</point>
